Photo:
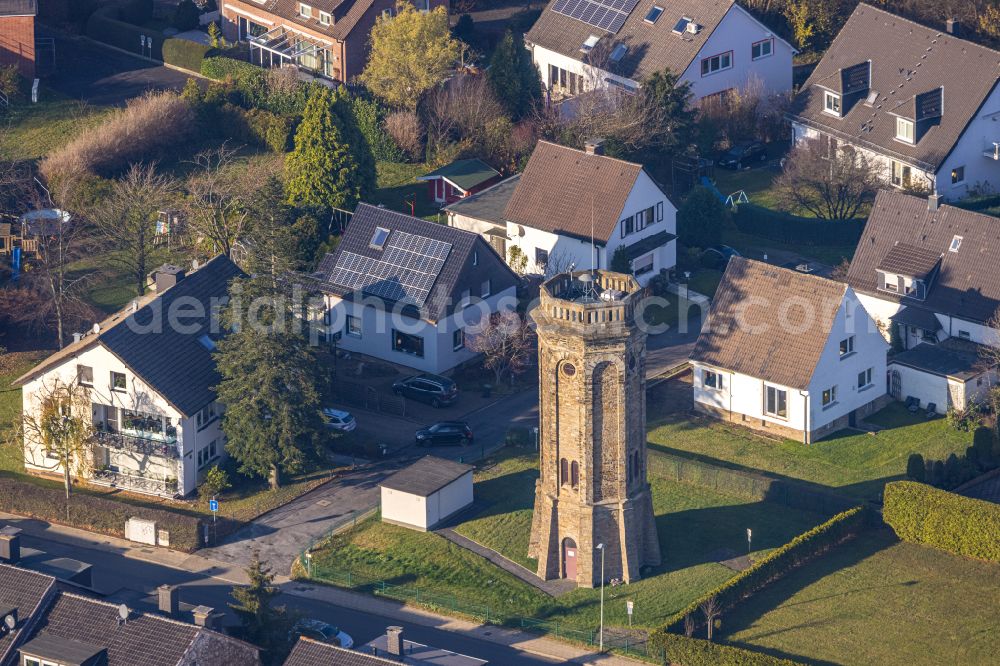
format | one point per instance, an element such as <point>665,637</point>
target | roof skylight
<point>654,13</point>
<point>379,238</point>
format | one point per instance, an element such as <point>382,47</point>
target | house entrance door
<point>569,559</point>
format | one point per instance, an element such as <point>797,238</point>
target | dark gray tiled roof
<point>907,60</point>
<point>910,260</point>
<point>949,358</point>
<point>62,651</point>
<point>308,652</point>
<point>174,363</point>
<point>25,591</point>
<point>18,7</point>
<point>652,47</point>
<point>427,476</point>
<point>457,274</point>
<point>967,282</point>
<point>346,13</point>
<point>768,322</point>
<point>912,315</point>
<point>489,204</point>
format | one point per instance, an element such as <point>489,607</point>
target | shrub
<point>788,228</point>
<point>10,81</point>
<point>700,218</point>
<point>186,16</point>
<point>222,68</point>
<point>147,126</point>
<point>185,54</point>
<point>270,130</point>
<point>405,129</point>
<point>370,117</point>
<point>104,26</point>
<point>696,652</point>
<point>93,513</point>
<point>982,444</point>
<point>960,525</point>
<point>915,467</point>
<point>777,563</point>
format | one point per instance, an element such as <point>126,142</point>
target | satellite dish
<point>585,278</point>
<point>123,612</point>
<point>10,621</point>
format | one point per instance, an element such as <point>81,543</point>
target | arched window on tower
<point>563,471</point>
<point>575,474</point>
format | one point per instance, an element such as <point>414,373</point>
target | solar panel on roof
<point>409,266</point>
<point>608,15</point>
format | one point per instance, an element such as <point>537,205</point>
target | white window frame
<point>847,346</point>
<point>904,179</point>
<point>659,12</point>
<point>904,130</point>
<point>711,60</point>
<point>778,392</point>
<point>485,289</point>
<point>760,52</point>
<point>867,374</point>
<point>325,18</point>
<point>956,244</point>
<point>958,175</point>
<point>349,326</point>
<point>305,11</point>
<point>123,389</point>
<point>829,396</point>
<point>711,379</point>
<point>79,375</point>
<point>832,103</point>
<point>458,339</point>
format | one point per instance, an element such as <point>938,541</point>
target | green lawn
<point>693,524</point>
<point>856,463</point>
<point>12,366</point>
<point>30,131</point>
<point>656,315</point>
<point>109,288</point>
<point>757,183</point>
<point>705,281</point>
<point>398,186</point>
<point>877,601</point>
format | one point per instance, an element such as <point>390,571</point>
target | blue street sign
<point>213,505</point>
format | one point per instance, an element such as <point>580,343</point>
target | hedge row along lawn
<point>695,527</point>
<point>876,600</point>
<point>853,463</point>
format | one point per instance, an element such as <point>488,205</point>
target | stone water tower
<point>592,409</point>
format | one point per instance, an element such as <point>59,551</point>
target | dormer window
<point>379,238</point>
<point>914,289</point>
<point>654,13</point>
<point>305,11</point>
<point>956,242</point>
<point>324,18</point>
<point>904,130</point>
<point>831,103</point>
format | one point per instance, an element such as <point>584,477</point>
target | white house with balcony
<point>148,375</point>
<point>575,208</point>
<point>716,47</point>
<point>921,102</point>
<point>791,354</point>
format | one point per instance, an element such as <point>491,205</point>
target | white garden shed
<point>426,493</point>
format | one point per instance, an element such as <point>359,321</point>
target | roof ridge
<point>12,567</point>
<point>792,271</point>
<point>584,152</point>
<point>420,219</point>
<point>865,5</point>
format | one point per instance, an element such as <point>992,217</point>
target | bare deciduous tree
<point>60,425</point>
<point>405,129</point>
<point>505,341</point>
<point>219,201</point>
<point>127,218</point>
<point>837,186</point>
<point>711,609</point>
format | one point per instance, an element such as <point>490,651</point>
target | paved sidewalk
<point>553,588</point>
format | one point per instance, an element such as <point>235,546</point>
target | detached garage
<point>426,493</point>
<point>947,374</point>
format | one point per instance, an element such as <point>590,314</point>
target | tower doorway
<point>569,558</point>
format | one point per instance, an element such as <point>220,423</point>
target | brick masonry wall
<point>17,44</point>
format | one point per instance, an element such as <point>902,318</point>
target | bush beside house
<point>94,513</point>
<point>960,525</point>
<point>686,651</point>
<point>185,54</point>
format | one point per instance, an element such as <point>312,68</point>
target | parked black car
<point>718,256</point>
<point>445,433</point>
<point>432,389</point>
<point>743,154</point>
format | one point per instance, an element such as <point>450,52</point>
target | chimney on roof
<point>954,27</point>
<point>934,202</point>
<point>394,641</point>
<point>594,146</point>
<point>167,276</point>
<point>169,599</point>
<point>10,548</point>
<point>77,337</point>
<point>195,265</point>
<point>205,616</point>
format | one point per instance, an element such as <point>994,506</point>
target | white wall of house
<point>400,507</point>
<point>980,171</point>
<point>562,250</point>
<point>440,352</point>
<point>448,500</point>
<point>737,32</point>
<point>592,77</point>
<point>475,225</point>
<point>646,193</point>
<point>927,387</point>
<point>841,371</point>
<point>138,397</point>
<point>744,395</point>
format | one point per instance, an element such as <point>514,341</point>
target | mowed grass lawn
<point>694,525</point>
<point>398,187</point>
<point>30,131</point>
<point>12,366</point>
<point>877,601</point>
<point>854,463</point>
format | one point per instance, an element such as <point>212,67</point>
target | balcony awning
<point>287,43</point>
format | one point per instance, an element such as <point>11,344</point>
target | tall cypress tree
<point>322,172</point>
<point>514,77</point>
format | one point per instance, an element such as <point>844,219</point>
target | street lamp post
<point>535,431</point>
<point>600,547</point>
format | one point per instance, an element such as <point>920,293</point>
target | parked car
<point>336,419</point>
<point>321,631</point>
<point>432,389</point>
<point>445,433</point>
<point>743,154</point>
<point>718,256</point>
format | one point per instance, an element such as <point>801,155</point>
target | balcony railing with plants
<point>137,443</point>
<point>136,482</point>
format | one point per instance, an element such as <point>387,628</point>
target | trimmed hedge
<point>104,26</point>
<point>960,525</point>
<point>184,53</point>
<point>777,563</point>
<point>93,513</point>
<point>979,203</point>
<point>686,651</point>
<point>786,228</point>
<point>221,68</point>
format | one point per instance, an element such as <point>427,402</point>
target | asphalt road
<point>134,582</point>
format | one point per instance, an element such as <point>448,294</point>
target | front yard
<point>854,463</point>
<point>31,131</point>
<point>877,601</point>
<point>696,528</point>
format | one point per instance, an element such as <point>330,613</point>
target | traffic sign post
<point>213,506</point>
<point>749,536</point>
<point>629,605</point>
